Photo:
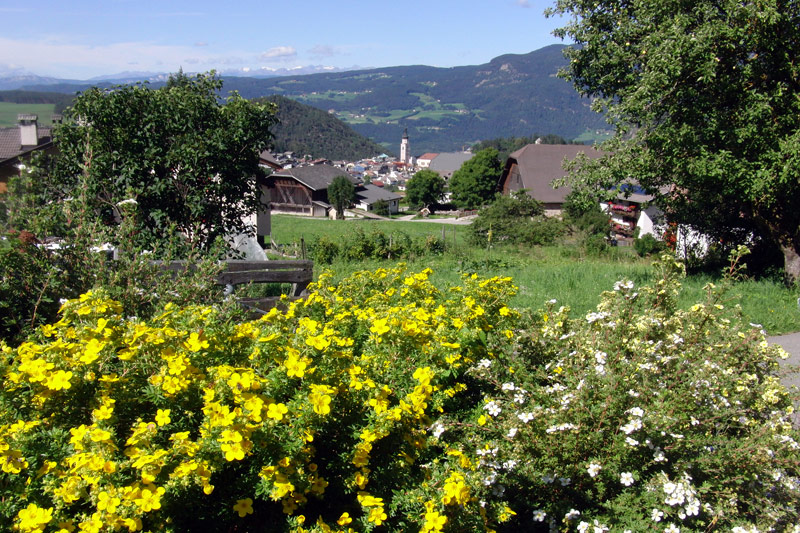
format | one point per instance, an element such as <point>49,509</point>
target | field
<point>9,112</point>
<point>563,273</point>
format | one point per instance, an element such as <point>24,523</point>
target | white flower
<point>693,508</point>
<point>493,408</point>
<point>519,397</point>
<point>573,514</point>
<point>538,515</point>
<point>510,464</point>
<point>633,393</point>
<point>583,527</point>
<point>437,429</point>
<point>600,357</point>
<point>632,425</point>
<point>631,442</point>
<point>594,317</point>
<point>512,432</point>
<point>525,417</point>
<point>672,528</point>
<point>636,411</point>
<point>626,478</point>
<point>593,469</point>
<point>657,515</point>
<point>623,284</point>
<point>547,479</point>
<point>508,386</point>
<point>484,363</point>
<point>599,528</point>
<point>565,481</point>
<point>551,302</point>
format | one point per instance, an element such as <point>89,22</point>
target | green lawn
<point>10,110</point>
<point>563,273</point>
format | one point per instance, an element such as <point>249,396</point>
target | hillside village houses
<point>17,144</point>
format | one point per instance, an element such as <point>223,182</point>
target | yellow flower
<point>108,503</point>
<point>244,507</point>
<point>33,518</point>
<point>59,380</point>
<point>344,519</point>
<point>276,411</point>
<point>196,342</point>
<point>149,500</point>
<point>92,351</point>
<point>162,417</point>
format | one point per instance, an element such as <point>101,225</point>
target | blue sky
<point>80,39</point>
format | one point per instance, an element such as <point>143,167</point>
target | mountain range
<point>443,109</point>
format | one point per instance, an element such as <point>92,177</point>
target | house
<point>302,190</point>
<point>631,212</point>
<point>368,195</point>
<point>447,163</point>
<point>534,168</point>
<point>424,161</point>
<point>19,143</point>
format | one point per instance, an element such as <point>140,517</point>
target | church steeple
<point>404,153</point>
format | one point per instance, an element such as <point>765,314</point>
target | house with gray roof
<point>19,143</point>
<point>534,167</point>
<point>303,190</point>
<point>448,162</point>
<point>368,195</point>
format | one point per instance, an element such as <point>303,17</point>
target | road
<point>790,343</point>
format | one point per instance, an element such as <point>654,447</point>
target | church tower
<point>404,155</point>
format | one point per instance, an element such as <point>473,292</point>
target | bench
<point>299,273</point>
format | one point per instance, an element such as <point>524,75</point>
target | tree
<point>703,96</point>
<point>475,183</point>
<point>189,161</point>
<point>424,189</point>
<point>340,194</point>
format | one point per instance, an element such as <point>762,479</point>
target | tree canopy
<point>703,96</point>
<point>340,194</point>
<point>424,189</point>
<point>475,183</point>
<point>188,160</point>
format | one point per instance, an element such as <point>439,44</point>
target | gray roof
<point>449,162</point>
<point>538,165</point>
<point>316,177</point>
<point>369,194</point>
<point>10,146</point>
<point>266,158</point>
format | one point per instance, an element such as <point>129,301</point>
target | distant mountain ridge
<point>444,109</point>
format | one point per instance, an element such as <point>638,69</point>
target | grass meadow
<point>564,273</point>
<point>10,110</point>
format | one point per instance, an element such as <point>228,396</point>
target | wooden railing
<point>299,273</point>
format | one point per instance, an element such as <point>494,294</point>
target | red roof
<point>427,156</point>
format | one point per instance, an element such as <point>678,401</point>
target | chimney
<point>28,129</point>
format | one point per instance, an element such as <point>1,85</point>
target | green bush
<point>647,245</point>
<point>515,219</point>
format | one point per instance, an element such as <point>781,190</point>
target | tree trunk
<point>791,263</point>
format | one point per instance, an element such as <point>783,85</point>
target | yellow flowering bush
<point>327,416</point>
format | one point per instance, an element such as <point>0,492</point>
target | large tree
<point>341,192</point>
<point>475,183</point>
<point>704,97</point>
<point>188,159</point>
<point>424,189</point>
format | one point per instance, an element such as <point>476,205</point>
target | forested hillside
<point>304,129</point>
<point>443,109</point>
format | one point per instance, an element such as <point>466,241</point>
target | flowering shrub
<point>642,417</point>
<point>316,418</point>
<point>384,403</point>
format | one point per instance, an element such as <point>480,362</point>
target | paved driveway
<point>791,343</point>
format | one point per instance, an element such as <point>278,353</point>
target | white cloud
<point>523,3</point>
<point>81,61</point>
<point>279,53</point>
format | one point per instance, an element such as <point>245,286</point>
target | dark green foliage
<point>475,183</point>
<point>361,246</point>
<point>648,245</point>
<point>579,202</point>
<point>703,96</point>
<point>381,207</point>
<point>187,160</point>
<point>341,192</point>
<point>424,189</point>
<point>304,129</point>
<point>516,219</point>
<point>31,285</point>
